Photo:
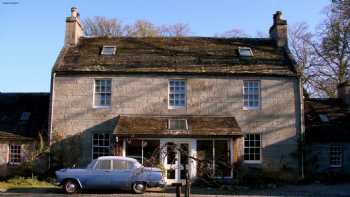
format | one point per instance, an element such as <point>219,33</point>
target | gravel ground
<point>313,190</point>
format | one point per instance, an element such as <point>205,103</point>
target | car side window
<point>103,164</point>
<point>121,165</point>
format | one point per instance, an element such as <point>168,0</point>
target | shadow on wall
<point>67,151</point>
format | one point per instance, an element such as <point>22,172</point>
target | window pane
<point>177,124</point>
<point>336,155</point>
<point>171,153</point>
<point>251,93</point>
<point>205,158</point>
<point>134,149</point>
<point>14,154</point>
<point>103,92</point>
<point>252,147</point>
<point>151,153</point>
<point>177,93</point>
<point>120,165</point>
<point>222,158</point>
<point>100,145</point>
<point>104,165</point>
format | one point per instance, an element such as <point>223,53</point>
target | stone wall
<point>75,117</point>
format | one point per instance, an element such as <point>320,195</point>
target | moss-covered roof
<point>184,55</point>
<point>157,126</point>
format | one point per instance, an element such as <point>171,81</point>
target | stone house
<point>222,100</point>
<point>22,117</point>
<point>327,133</point>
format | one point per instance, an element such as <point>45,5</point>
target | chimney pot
<point>74,12</point>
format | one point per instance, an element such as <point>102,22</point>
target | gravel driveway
<point>313,190</point>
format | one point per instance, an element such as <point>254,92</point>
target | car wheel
<point>71,187</point>
<point>139,187</point>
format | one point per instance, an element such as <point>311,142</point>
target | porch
<point>205,146</point>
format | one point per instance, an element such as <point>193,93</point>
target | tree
<point>299,40</point>
<point>323,57</point>
<point>176,30</point>
<point>142,28</point>
<point>101,26</point>
<point>232,33</point>
<point>332,48</point>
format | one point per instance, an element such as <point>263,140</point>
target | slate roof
<point>337,129</point>
<point>157,126</point>
<point>176,55</point>
<point>12,106</point>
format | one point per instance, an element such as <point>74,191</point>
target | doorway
<point>177,161</point>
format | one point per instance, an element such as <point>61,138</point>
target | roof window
<point>177,124</point>
<point>108,50</point>
<point>25,116</point>
<point>324,117</point>
<point>245,52</point>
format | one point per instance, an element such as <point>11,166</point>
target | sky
<point>32,31</point>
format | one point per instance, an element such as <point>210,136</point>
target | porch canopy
<point>157,126</point>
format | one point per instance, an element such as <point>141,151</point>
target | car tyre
<point>71,187</point>
<point>139,187</point>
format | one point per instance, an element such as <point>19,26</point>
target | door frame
<point>192,148</point>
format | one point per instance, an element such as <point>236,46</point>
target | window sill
<point>102,107</point>
<point>176,107</point>
<point>252,162</point>
<point>251,108</point>
<point>335,166</point>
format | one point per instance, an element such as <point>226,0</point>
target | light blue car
<point>110,172</point>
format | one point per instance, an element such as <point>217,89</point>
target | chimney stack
<point>74,29</point>
<point>278,31</point>
<point>343,92</point>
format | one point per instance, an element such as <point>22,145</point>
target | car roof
<point>117,157</point>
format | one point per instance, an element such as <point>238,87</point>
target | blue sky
<point>32,32</point>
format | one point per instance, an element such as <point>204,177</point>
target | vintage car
<point>110,172</point>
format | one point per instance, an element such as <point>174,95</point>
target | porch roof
<point>157,126</point>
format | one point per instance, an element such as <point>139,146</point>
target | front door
<point>177,161</point>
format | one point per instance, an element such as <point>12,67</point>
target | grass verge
<point>22,182</point>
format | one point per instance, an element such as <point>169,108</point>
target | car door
<point>100,177</point>
<point>122,173</point>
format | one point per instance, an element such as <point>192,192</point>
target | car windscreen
<point>91,164</point>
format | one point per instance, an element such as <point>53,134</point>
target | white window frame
<point>245,48</point>
<point>106,92</point>
<point>109,46</point>
<point>186,123</point>
<point>185,95</point>
<point>260,152</point>
<point>339,151</point>
<point>259,95</point>
<point>98,146</point>
<point>10,154</point>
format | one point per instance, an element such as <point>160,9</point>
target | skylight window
<point>177,124</point>
<point>245,52</point>
<point>25,116</point>
<point>324,117</point>
<point>108,50</point>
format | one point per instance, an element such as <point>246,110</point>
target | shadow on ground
<point>292,191</point>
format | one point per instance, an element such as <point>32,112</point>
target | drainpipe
<point>52,96</point>
<point>302,127</point>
